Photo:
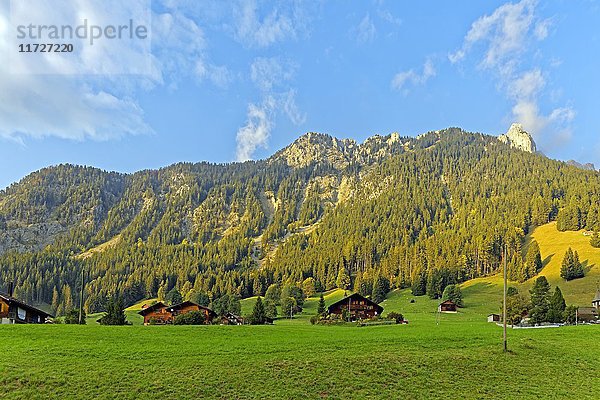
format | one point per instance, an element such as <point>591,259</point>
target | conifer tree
<point>557,306</point>
<point>321,307</point>
<point>540,300</point>
<point>343,279</point>
<point>258,316</point>
<point>533,259</point>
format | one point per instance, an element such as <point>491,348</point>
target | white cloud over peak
<point>257,130</point>
<point>504,42</point>
<point>402,79</point>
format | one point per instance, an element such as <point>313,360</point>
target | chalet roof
<point>153,307</point>
<point>13,301</point>
<point>187,304</point>
<point>355,296</point>
<point>587,311</point>
<point>448,302</point>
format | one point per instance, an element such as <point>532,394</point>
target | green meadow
<point>435,356</point>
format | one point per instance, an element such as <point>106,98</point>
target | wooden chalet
<point>161,314</point>
<point>13,311</point>
<point>357,307</point>
<point>188,306</point>
<point>156,314</point>
<point>596,301</point>
<point>231,319</point>
<point>447,306</point>
<point>587,314</point>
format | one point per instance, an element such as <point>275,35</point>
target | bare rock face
<point>518,138</point>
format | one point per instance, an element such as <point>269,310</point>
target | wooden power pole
<point>81,297</point>
<point>504,302</point>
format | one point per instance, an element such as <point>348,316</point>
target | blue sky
<point>238,80</point>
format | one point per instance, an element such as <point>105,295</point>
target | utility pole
<point>504,302</point>
<point>81,297</point>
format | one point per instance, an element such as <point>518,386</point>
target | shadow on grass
<point>547,260</point>
<point>587,266</point>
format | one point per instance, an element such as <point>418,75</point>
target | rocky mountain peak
<point>518,138</point>
<point>340,153</point>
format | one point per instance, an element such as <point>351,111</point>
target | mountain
<point>517,137</point>
<point>391,212</point>
<point>586,166</point>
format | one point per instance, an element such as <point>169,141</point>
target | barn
<point>357,307</point>
<point>231,319</point>
<point>447,306</point>
<point>13,311</point>
<point>493,318</point>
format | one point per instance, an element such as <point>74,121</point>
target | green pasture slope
<point>447,356</point>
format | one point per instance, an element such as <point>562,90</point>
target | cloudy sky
<point>231,81</point>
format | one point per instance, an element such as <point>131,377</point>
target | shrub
<point>396,316</point>
<point>190,318</point>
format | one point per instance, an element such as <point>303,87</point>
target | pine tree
<point>321,308</point>
<point>540,300</point>
<point>343,279</point>
<point>174,297</point>
<point>381,287</point>
<point>453,292</point>
<point>557,306</point>
<point>533,259</point>
<point>595,240</point>
<point>258,316</point>
<point>115,313</point>
<point>571,267</point>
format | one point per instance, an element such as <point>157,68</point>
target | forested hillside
<point>391,212</point>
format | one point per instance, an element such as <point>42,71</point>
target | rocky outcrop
<point>340,153</point>
<point>586,166</point>
<point>518,138</point>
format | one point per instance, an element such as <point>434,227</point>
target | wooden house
<point>161,314</point>
<point>357,307</point>
<point>156,314</point>
<point>13,311</point>
<point>447,306</point>
<point>587,314</point>
<point>188,306</point>
<point>596,301</point>
<point>493,318</point>
<point>231,319</point>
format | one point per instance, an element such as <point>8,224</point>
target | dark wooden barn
<point>357,307</point>
<point>13,311</point>
<point>188,306</point>
<point>447,306</point>
<point>231,319</point>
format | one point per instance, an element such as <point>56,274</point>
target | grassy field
<point>434,356</point>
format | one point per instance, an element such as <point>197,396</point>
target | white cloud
<point>270,73</point>
<point>65,102</point>
<point>389,17</point>
<point>257,130</point>
<point>506,37</point>
<point>365,32</point>
<point>282,22</point>
<point>402,79</point>
<point>542,28</point>
<point>504,31</point>
<point>291,109</point>
<point>528,85</point>
<point>81,106</point>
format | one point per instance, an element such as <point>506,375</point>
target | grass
<point>458,356</point>
<point>434,356</point>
